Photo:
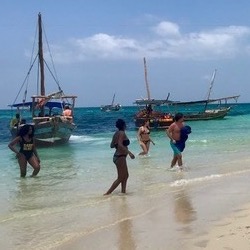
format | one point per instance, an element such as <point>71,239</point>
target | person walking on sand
<point>27,152</point>
<point>144,138</point>
<point>174,134</point>
<point>120,142</point>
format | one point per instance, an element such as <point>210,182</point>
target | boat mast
<point>113,100</point>
<point>211,84</point>
<point>210,88</point>
<point>40,54</point>
<point>146,78</point>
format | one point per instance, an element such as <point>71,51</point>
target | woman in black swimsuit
<point>120,142</point>
<point>144,138</point>
<point>27,152</point>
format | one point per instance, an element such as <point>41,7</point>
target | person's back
<point>15,121</point>
<point>67,111</point>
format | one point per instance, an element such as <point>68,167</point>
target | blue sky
<point>98,47</point>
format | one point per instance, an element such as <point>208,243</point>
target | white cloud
<point>104,45</point>
<point>166,41</point>
<point>167,29</point>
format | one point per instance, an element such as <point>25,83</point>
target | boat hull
<point>109,108</point>
<point>207,115</point>
<point>50,131</point>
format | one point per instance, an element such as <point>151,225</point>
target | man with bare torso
<point>174,133</point>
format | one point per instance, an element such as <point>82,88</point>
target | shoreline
<point>207,216</point>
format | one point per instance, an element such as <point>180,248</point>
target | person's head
<point>66,107</point>
<point>178,116</point>
<point>18,116</point>
<point>120,124</point>
<point>145,123</point>
<point>27,129</point>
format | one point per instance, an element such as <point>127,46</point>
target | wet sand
<point>231,233</point>
<point>207,215</point>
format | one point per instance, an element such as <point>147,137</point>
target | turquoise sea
<point>65,202</point>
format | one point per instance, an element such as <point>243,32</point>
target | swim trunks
<point>175,148</point>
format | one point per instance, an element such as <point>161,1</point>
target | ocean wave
<point>203,140</point>
<point>183,182</point>
<point>85,138</point>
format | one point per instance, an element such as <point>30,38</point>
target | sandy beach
<point>231,233</point>
<point>210,216</point>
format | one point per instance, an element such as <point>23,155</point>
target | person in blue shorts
<point>174,134</point>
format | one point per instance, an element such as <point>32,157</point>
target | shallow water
<point>65,201</point>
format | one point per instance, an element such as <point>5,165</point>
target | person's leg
<point>174,161</point>
<point>177,155</point>
<point>179,160</point>
<point>23,165</point>
<point>124,175</point>
<point>118,163</point>
<point>147,146</point>
<point>35,165</point>
<point>144,148</point>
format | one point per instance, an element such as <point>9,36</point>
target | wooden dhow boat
<point>45,111</point>
<point>208,109</point>
<point>152,109</point>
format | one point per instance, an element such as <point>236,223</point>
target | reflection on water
<point>183,208</point>
<point>125,225</point>
<point>34,200</point>
<point>184,211</point>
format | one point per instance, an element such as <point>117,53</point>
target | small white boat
<point>111,107</point>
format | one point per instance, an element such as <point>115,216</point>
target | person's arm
<point>131,155</point>
<point>11,123</point>
<point>35,152</point>
<point>139,134</point>
<point>114,141</point>
<point>120,139</point>
<point>169,132</point>
<point>12,145</point>
<point>152,141</point>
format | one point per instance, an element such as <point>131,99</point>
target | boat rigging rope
<point>25,80</point>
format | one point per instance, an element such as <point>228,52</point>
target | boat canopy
<point>49,105</point>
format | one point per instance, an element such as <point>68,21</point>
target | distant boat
<point>44,111</point>
<point>208,109</point>
<point>151,109</point>
<point>111,107</point>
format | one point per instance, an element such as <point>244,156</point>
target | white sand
<point>231,233</point>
